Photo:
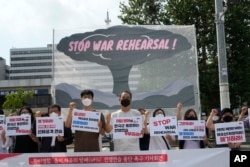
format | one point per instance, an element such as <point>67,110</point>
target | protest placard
<point>18,125</point>
<point>2,123</point>
<point>49,126</point>
<point>191,130</point>
<point>85,120</point>
<point>127,127</point>
<point>226,132</point>
<point>160,126</point>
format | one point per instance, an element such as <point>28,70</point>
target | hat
<point>226,110</point>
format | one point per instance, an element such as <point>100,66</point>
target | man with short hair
<point>132,144</point>
<point>86,141</point>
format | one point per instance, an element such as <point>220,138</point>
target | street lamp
<point>222,59</point>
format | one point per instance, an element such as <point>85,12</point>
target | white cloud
<point>29,23</point>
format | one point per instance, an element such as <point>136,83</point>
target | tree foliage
<point>16,100</point>
<point>202,15</point>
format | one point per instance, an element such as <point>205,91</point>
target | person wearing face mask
<point>86,141</point>
<point>56,143</point>
<point>27,143</point>
<point>190,114</point>
<point>125,111</point>
<point>159,142</point>
<point>226,116</point>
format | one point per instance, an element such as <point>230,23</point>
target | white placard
<point>85,120</point>
<point>160,126</point>
<point>230,132</point>
<point>2,123</point>
<point>191,130</point>
<point>18,125</point>
<point>49,126</point>
<point>127,127</point>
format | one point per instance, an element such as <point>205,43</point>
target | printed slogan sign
<point>162,126</point>
<point>85,120</point>
<point>233,132</point>
<point>2,123</point>
<point>127,127</point>
<point>119,58</point>
<point>191,130</point>
<point>49,126</point>
<point>18,125</point>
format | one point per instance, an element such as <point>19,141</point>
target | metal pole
<point>222,59</point>
<point>53,69</point>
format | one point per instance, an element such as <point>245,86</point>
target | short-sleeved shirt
<point>88,141</point>
<point>246,122</point>
<point>126,144</point>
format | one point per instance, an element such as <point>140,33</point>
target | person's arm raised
<point>179,108</point>
<point>108,127</point>
<point>242,113</point>
<point>68,121</point>
<point>209,123</point>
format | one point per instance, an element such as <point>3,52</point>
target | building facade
<point>31,63</point>
<point>30,69</point>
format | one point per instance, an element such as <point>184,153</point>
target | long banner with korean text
<point>170,158</point>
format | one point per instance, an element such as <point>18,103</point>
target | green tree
<point>16,100</point>
<point>202,15</point>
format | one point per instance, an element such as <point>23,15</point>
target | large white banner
<point>157,63</point>
<point>217,157</point>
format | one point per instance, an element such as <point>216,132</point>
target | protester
<point>242,115</point>
<point>27,143</point>
<point>190,114</point>
<point>226,116</point>
<point>159,142</point>
<point>86,141</point>
<point>5,141</point>
<point>131,144</point>
<point>144,141</point>
<point>57,143</point>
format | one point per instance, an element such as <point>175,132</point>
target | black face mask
<point>191,118</point>
<point>125,102</point>
<point>227,119</point>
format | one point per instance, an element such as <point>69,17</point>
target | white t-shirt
<point>126,144</point>
<point>157,142</point>
<point>191,144</point>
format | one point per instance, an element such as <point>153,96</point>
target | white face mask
<point>53,114</point>
<point>86,102</point>
<point>159,115</point>
<point>215,118</point>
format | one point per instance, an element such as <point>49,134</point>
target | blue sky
<point>30,23</point>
